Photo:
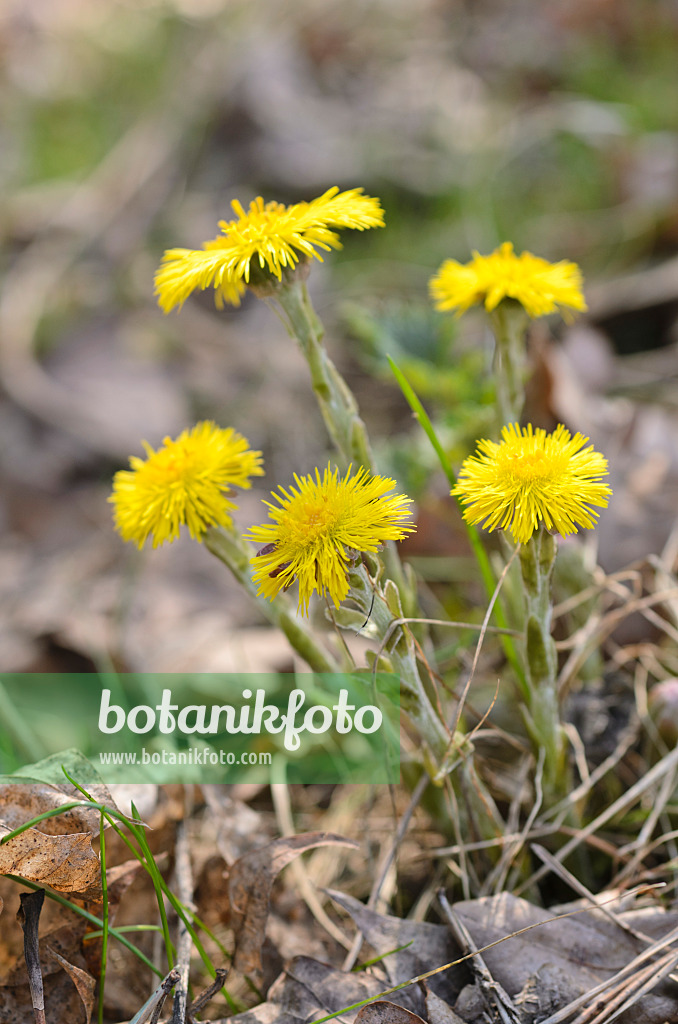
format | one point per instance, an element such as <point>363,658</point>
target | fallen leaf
<point>427,945</point>
<point>83,981</point>
<point>43,787</point>
<point>62,1000</point>
<point>66,863</point>
<point>384,1012</point>
<point>438,1011</point>
<point>308,989</point>
<point>571,955</point>
<point>249,888</point>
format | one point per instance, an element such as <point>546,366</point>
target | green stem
<point>337,404</point>
<point>338,407</point>
<point>156,878</point>
<point>537,559</point>
<point>509,321</point>
<point>384,610</point>
<point>230,548</point>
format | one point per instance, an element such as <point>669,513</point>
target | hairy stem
<point>509,321</point>
<point>537,559</point>
<point>338,406</point>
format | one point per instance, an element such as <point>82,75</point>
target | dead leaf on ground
<point>249,888</point>
<point>385,1012</point>
<point>438,1011</point>
<point>65,863</point>
<point>308,989</point>
<point>39,788</point>
<point>570,955</point>
<point>83,981</point>
<point>63,1001</point>
<point>426,946</point>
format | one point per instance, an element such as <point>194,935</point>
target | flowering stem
<point>509,321</point>
<point>230,548</point>
<point>385,612</point>
<point>537,558</point>
<point>337,404</point>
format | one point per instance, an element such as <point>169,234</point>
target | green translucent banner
<point>194,728</point>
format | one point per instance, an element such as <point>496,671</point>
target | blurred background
<point>128,126</point>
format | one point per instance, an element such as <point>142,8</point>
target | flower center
<point>529,466</point>
<point>317,520</point>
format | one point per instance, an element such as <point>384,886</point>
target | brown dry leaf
<point>83,981</point>
<point>569,955</point>
<point>426,946</point>
<point>63,1003</point>
<point>385,1012</point>
<point>438,1011</point>
<point>29,797</point>
<point>308,989</point>
<point>65,863</point>
<point>249,888</point>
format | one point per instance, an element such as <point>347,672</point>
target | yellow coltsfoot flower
<point>532,477</point>
<point>268,237</point>
<point>539,286</point>
<point>185,481</point>
<point>319,526</point>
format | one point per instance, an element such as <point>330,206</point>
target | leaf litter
<point>563,969</point>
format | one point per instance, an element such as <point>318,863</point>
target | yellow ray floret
<point>272,235</point>
<point>186,481</point>
<point>541,287</point>
<point>318,525</point>
<point>532,477</point>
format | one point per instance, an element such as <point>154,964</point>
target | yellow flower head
<point>273,235</point>
<point>532,477</point>
<point>539,286</point>
<point>185,481</point>
<point>319,525</point>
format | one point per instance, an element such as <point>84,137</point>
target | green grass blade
<point>92,918</point>
<point>158,882</point>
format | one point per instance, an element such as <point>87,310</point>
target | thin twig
<point>510,853</point>
<point>153,1005</point>
<point>483,630</point>
<point>626,740</point>
<point>184,889</point>
<point>203,999</point>
<point>29,916</point>
<point>492,990</point>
